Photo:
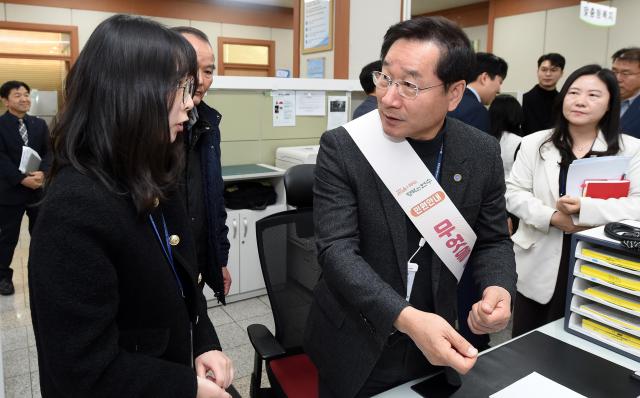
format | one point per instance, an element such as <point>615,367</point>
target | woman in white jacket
<point>587,124</point>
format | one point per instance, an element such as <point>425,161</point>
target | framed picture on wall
<point>315,68</point>
<point>317,25</point>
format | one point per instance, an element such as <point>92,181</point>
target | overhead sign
<point>597,14</point>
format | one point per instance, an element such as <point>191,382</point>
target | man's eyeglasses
<point>406,89</point>
<point>187,89</point>
<point>624,73</point>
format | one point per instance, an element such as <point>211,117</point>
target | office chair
<point>286,247</point>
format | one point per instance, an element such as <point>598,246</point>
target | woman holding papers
<point>587,124</point>
<point>115,304</point>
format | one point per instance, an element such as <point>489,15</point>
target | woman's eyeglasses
<point>187,89</point>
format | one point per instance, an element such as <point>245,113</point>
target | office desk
<point>555,330</point>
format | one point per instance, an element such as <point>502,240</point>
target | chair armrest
<point>263,342</point>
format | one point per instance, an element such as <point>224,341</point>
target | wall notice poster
<point>338,111</point>
<point>317,25</point>
<point>310,103</point>
<point>284,108</point>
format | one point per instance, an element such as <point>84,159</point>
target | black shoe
<point>6,287</point>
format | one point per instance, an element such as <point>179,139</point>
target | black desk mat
<point>581,371</point>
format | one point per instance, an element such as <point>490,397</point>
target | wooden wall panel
<point>465,16</point>
<point>254,15</point>
<point>341,40</point>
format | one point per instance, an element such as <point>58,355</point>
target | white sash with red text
<point>416,190</point>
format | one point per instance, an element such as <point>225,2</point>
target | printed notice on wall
<point>310,103</point>
<point>317,25</point>
<point>337,111</point>
<point>284,108</point>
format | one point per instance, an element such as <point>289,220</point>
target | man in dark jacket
<point>18,191</point>
<point>537,103</point>
<point>483,84</point>
<point>203,186</point>
<point>366,81</point>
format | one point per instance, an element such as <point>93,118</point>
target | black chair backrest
<point>298,183</point>
<point>288,258</point>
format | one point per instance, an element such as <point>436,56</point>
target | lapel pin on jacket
<point>457,177</point>
<point>174,240</point>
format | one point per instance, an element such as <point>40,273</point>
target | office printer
<point>293,155</point>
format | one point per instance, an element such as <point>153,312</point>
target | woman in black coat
<point>112,275</point>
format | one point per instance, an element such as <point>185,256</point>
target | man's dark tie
<point>23,132</point>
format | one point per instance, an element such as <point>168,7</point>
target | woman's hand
<point>216,366</point>
<point>568,205</point>
<point>564,222</point>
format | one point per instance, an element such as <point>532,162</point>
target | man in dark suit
<point>626,66</point>
<point>366,81</point>
<point>18,191</point>
<point>363,335</point>
<point>202,187</point>
<point>483,84</point>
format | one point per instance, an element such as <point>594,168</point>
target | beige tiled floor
<point>20,362</point>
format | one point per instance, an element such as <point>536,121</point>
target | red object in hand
<point>606,189</point>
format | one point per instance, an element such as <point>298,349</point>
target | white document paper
<point>310,103</point>
<point>30,160</point>
<point>601,168</point>
<point>337,111</point>
<point>284,108</point>
<point>535,386</point>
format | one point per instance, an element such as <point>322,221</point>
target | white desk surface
<point>554,329</point>
<point>250,172</point>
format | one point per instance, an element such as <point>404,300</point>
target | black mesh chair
<point>287,251</point>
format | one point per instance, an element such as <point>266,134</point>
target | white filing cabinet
<point>244,264</point>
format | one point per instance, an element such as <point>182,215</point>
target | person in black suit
<point>537,103</point>
<point>18,191</point>
<point>366,81</point>
<point>113,283</point>
<point>363,333</point>
<point>483,84</point>
<point>202,187</point>
<point>626,67</point>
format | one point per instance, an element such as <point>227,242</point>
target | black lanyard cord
<point>629,236</point>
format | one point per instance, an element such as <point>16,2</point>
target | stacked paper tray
<point>603,301</point>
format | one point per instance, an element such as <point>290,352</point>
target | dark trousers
<point>529,314</point>
<point>468,295</point>
<point>400,362</point>
<point>10,219</point>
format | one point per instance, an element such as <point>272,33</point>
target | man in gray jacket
<point>363,334</point>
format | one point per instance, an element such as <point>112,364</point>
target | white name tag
<point>416,190</point>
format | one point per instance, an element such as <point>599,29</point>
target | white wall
<point>368,22</point>
<point>625,33</point>
<point>478,33</point>
<point>87,20</point>
<point>521,39</point>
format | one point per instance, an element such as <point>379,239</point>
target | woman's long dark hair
<point>114,124</point>
<point>505,114</point>
<point>609,124</point>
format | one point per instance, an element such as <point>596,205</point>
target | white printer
<point>293,155</point>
